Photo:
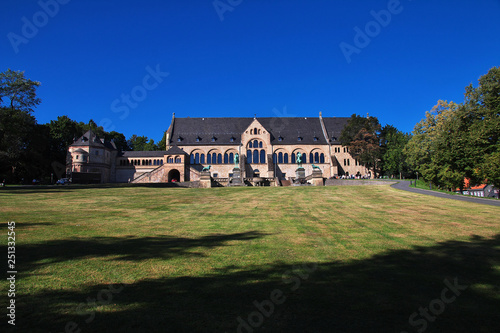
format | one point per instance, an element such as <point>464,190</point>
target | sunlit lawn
<point>194,260</point>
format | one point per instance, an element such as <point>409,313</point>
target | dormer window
<point>214,139</point>
<point>299,138</point>
<point>315,138</point>
<point>198,139</point>
<point>179,139</point>
<point>280,138</point>
<point>84,139</point>
<point>232,139</point>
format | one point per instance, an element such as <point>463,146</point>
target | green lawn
<point>315,259</point>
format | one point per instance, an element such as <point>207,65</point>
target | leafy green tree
<point>18,92</point>
<point>482,111</point>
<point>141,143</point>
<point>119,140</point>
<point>162,144</point>
<point>17,124</point>
<point>361,136</point>
<point>435,143</point>
<point>455,142</point>
<point>394,158</point>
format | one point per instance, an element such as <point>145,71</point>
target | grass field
<point>296,259</point>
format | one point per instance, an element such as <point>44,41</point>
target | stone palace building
<point>267,150</point>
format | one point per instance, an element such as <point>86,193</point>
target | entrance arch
<point>174,176</point>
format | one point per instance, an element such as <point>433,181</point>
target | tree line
<point>453,142</point>
<point>31,150</point>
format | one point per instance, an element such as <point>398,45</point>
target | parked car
<point>63,181</point>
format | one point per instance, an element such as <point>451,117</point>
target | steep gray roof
<point>334,127</point>
<point>188,130</point>
<point>283,130</point>
<point>90,139</point>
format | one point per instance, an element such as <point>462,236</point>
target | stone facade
<point>267,150</point>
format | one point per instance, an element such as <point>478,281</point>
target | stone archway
<point>174,176</point>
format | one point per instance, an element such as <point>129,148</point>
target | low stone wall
<point>343,182</point>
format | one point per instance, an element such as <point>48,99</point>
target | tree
<point>162,144</point>
<point>141,143</point>
<point>393,143</point>
<point>119,140</point>
<point>435,145</point>
<point>361,136</point>
<point>17,100</point>
<point>20,91</point>
<point>455,142</point>
<point>482,111</point>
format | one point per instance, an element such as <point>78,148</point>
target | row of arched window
<point>282,158</point>
<point>212,158</point>
<point>141,162</point>
<point>177,159</point>
<point>255,144</point>
<point>255,156</point>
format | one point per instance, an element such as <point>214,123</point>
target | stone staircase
<point>158,175</point>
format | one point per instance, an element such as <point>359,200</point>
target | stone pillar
<point>237,180</point>
<point>300,176</point>
<point>205,179</point>
<point>317,177</point>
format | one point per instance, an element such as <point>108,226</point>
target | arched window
<point>260,144</point>
<point>256,156</point>
<point>249,156</point>
<point>275,158</point>
<point>214,158</point>
<point>255,144</point>
<point>177,159</point>
<point>161,162</point>
<point>250,144</point>
<point>251,132</point>
<point>262,156</point>
<point>226,158</point>
<point>219,159</point>
<point>285,158</point>
<point>202,159</point>
<point>197,158</point>
<point>311,158</point>
<point>231,158</point>
<point>149,162</point>
<point>322,158</point>
<point>255,132</point>
<point>209,158</point>
<point>280,157</point>
<point>304,158</point>
<point>170,160</point>
<point>316,157</point>
<point>154,162</point>
<point>293,158</point>
<point>191,159</point>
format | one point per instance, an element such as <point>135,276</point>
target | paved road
<point>405,186</point>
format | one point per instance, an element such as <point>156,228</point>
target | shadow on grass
<point>72,187</point>
<point>126,248</point>
<point>377,294</point>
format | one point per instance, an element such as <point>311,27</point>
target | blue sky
<point>130,64</point>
